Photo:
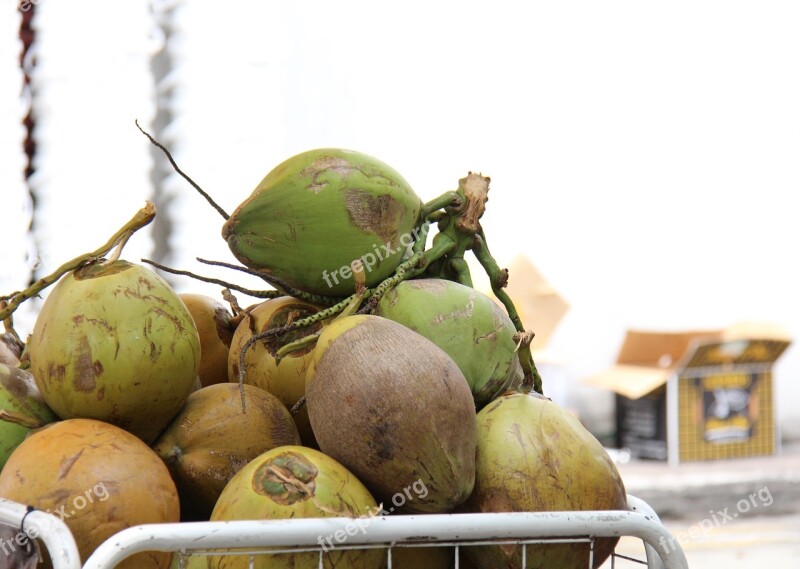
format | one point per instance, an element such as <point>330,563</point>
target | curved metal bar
<point>637,505</point>
<point>662,549</point>
<point>388,530</point>
<point>39,525</point>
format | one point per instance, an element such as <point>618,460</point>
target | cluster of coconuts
<point>135,388</point>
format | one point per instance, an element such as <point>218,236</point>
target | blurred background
<point>643,156</point>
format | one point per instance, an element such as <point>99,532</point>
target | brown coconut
<point>396,410</point>
<point>211,439</point>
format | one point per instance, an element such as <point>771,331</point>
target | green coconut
<point>297,482</point>
<point>22,409</point>
<point>286,227</point>
<point>471,328</point>
<point>533,456</point>
<point>394,409</point>
<point>114,342</point>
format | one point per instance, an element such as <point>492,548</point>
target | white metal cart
<point>250,538</point>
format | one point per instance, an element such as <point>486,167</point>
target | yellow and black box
<point>696,395</point>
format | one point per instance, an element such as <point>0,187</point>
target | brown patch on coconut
<point>286,478</point>
<point>375,214</point>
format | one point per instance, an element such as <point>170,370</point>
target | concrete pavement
<point>735,488</point>
<point>737,514</point>
<point>750,543</point>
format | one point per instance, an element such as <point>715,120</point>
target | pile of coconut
<point>369,378</point>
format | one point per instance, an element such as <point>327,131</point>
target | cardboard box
<point>541,309</point>
<point>538,304</point>
<point>696,395</point>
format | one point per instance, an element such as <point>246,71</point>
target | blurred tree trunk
<point>161,65</point>
<point>27,60</point>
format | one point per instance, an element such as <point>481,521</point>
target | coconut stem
<point>8,327</point>
<point>351,308</point>
<point>20,419</point>
<point>475,191</point>
<point>447,199</point>
<point>298,406</point>
<point>499,279</point>
<point>232,301</point>
<point>460,269</point>
<point>114,257</point>
<point>142,218</point>
<point>247,291</point>
<point>296,325</point>
<point>279,284</point>
<point>300,344</point>
<point>183,175</point>
<point>239,313</point>
<point>414,266</point>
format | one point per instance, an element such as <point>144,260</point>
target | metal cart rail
<point>35,524</point>
<point>303,535</point>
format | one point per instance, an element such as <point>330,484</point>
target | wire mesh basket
<point>388,533</point>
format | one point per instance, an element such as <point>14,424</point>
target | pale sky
<point>643,155</point>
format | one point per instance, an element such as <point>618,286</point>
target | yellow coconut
<point>98,478</point>
<point>114,342</point>
<point>214,326</point>
<point>285,379</point>
<point>298,482</point>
